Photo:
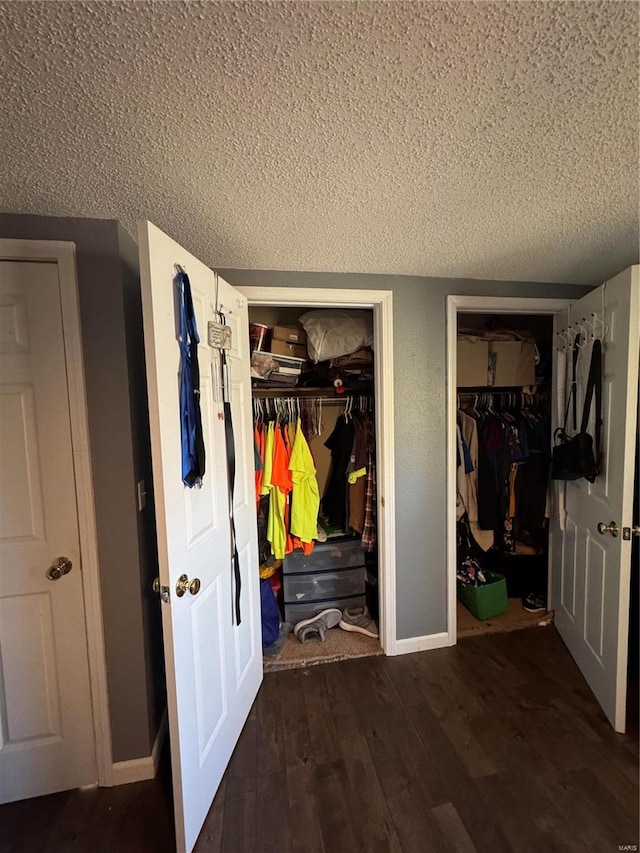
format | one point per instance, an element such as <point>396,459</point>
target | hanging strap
<point>572,390</point>
<point>574,381</point>
<point>192,441</point>
<point>231,479</point>
<point>594,382</point>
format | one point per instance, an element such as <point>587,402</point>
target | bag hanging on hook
<point>573,457</point>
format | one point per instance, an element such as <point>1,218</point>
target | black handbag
<point>573,457</point>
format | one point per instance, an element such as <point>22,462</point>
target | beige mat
<point>513,620</point>
<point>338,645</point>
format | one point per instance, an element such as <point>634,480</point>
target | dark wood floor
<point>493,745</point>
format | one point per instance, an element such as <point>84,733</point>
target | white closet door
<point>46,723</point>
<point>214,667</point>
<point>591,569</point>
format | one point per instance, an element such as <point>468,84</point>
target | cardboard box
<point>473,363</point>
<point>285,348</point>
<point>512,363</point>
<point>292,334</point>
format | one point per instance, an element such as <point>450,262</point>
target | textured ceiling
<point>484,140</point>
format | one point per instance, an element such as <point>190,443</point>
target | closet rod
<point>325,394</point>
<point>497,389</point>
<point>326,401</point>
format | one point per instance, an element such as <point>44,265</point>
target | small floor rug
<point>338,645</point>
<point>513,620</point>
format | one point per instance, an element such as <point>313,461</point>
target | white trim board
<point>142,769</point>
<point>473,305</point>
<point>381,301</point>
<point>64,254</point>
<point>421,644</point>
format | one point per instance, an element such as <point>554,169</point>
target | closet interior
<point>503,423</point>
<point>312,375</point>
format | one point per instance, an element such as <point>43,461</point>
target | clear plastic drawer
<point>325,555</point>
<point>298,588</point>
<point>294,613</point>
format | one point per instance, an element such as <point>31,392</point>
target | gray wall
<point>110,311</point>
<point>419,311</point>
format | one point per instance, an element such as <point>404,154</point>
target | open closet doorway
<point>503,429</point>
<point>345,571</point>
<point>596,349</point>
<point>500,378</point>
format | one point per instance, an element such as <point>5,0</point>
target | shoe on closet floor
<point>358,619</point>
<point>317,625</point>
<point>534,603</point>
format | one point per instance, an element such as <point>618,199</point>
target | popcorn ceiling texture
<point>483,140</point>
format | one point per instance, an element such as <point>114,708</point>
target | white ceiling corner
<point>463,139</point>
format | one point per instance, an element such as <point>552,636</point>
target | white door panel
<point>591,571</point>
<point>46,726</point>
<point>214,667</point>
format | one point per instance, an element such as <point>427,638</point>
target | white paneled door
<point>46,724</point>
<point>214,667</point>
<point>590,565</point>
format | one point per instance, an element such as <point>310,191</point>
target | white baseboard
<point>420,644</point>
<point>141,769</point>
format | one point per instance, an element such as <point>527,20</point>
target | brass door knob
<point>60,566</point>
<point>184,585</point>
<point>611,528</point>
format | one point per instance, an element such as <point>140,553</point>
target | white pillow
<point>332,332</point>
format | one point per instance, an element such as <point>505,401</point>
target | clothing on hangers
<point>284,425</point>
<point>506,490</point>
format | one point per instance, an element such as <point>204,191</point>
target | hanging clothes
<point>305,493</point>
<point>370,527</point>
<point>334,500</point>
<point>507,490</point>
<point>289,479</point>
<point>258,453</point>
<point>356,477</point>
<point>280,488</point>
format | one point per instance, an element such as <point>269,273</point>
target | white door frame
<point>64,255</point>
<point>476,305</point>
<point>381,301</point>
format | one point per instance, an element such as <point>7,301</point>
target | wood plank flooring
<point>493,745</point>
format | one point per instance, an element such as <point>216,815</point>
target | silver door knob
<point>636,529</point>
<point>61,566</point>
<point>184,585</point>
<point>611,528</point>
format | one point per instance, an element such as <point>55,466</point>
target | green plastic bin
<point>487,600</point>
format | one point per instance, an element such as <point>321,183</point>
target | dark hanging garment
<point>193,455</point>
<point>340,443</point>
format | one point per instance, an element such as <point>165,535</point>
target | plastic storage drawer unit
<point>298,588</point>
<point>294,613</point>
<point>336,554</point>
